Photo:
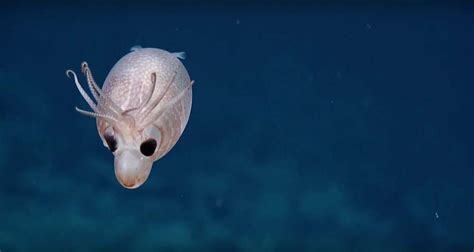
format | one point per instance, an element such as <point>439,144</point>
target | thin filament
<point>97,92</point>
<point>146,100</point>
<point>90,81</point>
<point>148,109</point>
<point>82,91</point>
<point>175,100</point>
<point>109,119</point>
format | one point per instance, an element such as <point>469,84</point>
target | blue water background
<point>330,127</point>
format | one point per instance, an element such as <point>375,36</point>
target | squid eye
<point>148,147</point>
<point>111,142</point>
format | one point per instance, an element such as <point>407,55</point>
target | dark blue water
<point>313,128</point>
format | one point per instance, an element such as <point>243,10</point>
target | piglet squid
<point>141,110</point>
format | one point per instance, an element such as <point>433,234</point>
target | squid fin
<point>135,47</point>
<point>180,55</point>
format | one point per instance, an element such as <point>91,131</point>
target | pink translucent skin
<point>146,95</point>
<point>132,168</point>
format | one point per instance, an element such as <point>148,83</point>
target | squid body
<point>141,109</point>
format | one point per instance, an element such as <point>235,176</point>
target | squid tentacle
<point>97,91</point>
<point>108,114</point>
<point>146,110</point>
<point>175,100</point>
<point>82,91</point>
<point>108,118</point>
<point>147,99</point>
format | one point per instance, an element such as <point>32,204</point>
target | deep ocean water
<point>313,128</point>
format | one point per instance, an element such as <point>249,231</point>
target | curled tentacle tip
<point>77,109</point>
<point>69,71</point>
<point>84,66</point>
